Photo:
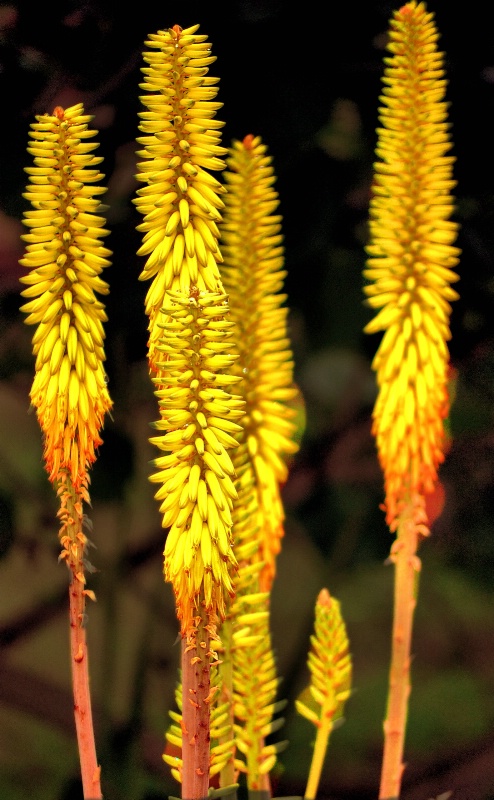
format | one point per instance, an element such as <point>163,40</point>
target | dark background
<point>306,78</point>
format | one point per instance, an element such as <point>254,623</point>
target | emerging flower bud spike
<point>330,666</point>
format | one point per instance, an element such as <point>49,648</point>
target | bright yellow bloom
<point>253,276</point>
<point>65,256</point>
<point>412,260</point>
<point>199,415</point>
<point>190,347</point>
<point>180,202</point>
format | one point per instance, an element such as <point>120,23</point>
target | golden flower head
<point>253,275</point>
<point>65,258</point>
<point>180,202</point>
<point>199,416</point>
<point>411,260</point>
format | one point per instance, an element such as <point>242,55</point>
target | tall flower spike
<point>412,260</point>
<point>180,202</point>
<point>188,323</point>
<point>69,393</point>
<point>65,256</point>
<point>253,277</point>
<point>410,269</point>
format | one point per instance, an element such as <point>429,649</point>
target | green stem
<point>318,756</point>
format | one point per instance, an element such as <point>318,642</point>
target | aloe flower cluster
<point>65,257</point>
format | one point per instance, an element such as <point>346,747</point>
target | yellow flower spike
<point>330,667</point>
<point>65,256</point>
<point>196,487</point>
<point>180,202</point>
<point>411,260</point>
<point>253,276</point>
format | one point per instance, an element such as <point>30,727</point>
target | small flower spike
<point>330,666</point>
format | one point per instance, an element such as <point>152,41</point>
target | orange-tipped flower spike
<point>412,261</point>
<point>65,257</point>
<point>410,271</point>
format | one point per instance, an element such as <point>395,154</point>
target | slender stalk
<point>90,770</point>
<point>319,754</point>
<point>407,566</point>
<point>74,542</point>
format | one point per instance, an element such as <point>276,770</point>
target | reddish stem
<point>90,771</point>
<point>74,544</point>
